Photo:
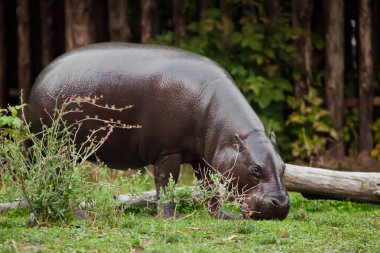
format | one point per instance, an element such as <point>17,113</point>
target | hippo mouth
<point>265,209</point>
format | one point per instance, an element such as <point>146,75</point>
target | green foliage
<point>10,128</point>
<point>10,123</point>
<point>101,207</point>
<point>311,125</point>
<point>169,194</point>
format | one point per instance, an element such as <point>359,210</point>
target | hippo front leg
<point>164,167</point>
<point>202,173</point>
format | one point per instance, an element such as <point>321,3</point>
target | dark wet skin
<point>190,111</point>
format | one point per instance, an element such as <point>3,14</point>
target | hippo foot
<point>32,221</point>
<point>224,215</point>
<point>166,211</point>
<point>80,214</point>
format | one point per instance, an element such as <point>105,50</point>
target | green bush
<point>10,129</point>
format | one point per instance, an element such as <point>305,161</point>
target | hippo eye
<point>255,171</point>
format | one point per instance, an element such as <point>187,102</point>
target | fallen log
<point>15,204</point>
<point>315,182</point>
<point>149,198</point>
<point>145,199</point>
<point>331,184</point>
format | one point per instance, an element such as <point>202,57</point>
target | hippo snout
<point>268,208</point>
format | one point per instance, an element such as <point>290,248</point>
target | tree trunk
<point>301,18</point>
<point>2,54</point>
<point>118,24</point>
<point>273,9</point>
<point>47,31</point>
<point>24,47</point>
<point>178,20</point>
<point>335,70</point>
<point>148,18</point>
<point>365,76</point>
<point>79,30</point>
<point>69,25</point>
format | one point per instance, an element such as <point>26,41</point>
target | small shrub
<point>311,125</point>
<point>10,129</point>
<point>50,176</point>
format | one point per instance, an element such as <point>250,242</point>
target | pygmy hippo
<point>190,111</point>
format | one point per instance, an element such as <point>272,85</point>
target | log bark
<point>335,70</point>
<point>2,55</point>
<point>301,18</point>
<point>118,24</point>
<point>149,198</point>
<point>16,204</point>
<point>330,184</point>
<point>24,75</point>
<point>365,76</point>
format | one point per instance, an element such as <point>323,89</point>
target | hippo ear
<point>238,142</point>
<point>272,138</point>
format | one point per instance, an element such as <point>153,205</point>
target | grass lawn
<point>312,226</point>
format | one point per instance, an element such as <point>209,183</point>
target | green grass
<point>312,226</point>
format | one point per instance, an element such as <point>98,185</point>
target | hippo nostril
<point>275,202</point>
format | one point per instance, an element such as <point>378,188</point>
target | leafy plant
<point>10,129</point>
<point>311,125</point>
<point>10,123</point>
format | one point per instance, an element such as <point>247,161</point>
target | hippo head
<point>257,170</point>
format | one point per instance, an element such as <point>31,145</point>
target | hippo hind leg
<point>166,166</point>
